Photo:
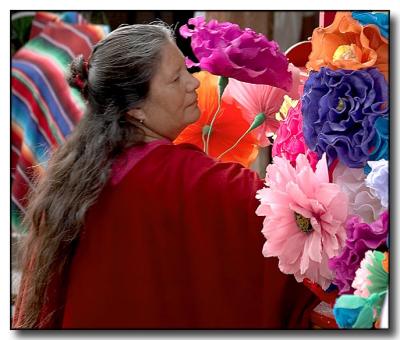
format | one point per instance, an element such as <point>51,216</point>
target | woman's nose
<point>193,84</point>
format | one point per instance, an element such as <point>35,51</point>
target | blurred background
<point>44,109</point>
<point>285,27</point>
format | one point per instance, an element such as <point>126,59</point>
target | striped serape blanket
<point>44,108</point>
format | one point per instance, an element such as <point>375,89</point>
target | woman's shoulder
<point>191,159</point>
<point>168,158</point>
<point>152,154</point>
<point>197,169</point>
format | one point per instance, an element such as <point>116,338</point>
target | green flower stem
<point>234,145</point>
<point>211,125</point>
<point>204,142</point>
<point>258,120</point>
<point>205,131</point>
<point>222,83</point>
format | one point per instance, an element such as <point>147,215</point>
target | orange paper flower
<point>345,44</point>
<point>385,262</point>
<point>227,128</point>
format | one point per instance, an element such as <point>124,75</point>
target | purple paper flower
<point>361,237</point>
<point>225,49</point>
<point>339,109</point>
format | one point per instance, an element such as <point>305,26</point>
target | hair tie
<point>79,82</point>
<point>85,67</point>
<point>80,77</point>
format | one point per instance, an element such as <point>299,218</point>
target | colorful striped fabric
<point>44,109</point>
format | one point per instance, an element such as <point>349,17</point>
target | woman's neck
<point>151,136</point>
<point>148,139</point>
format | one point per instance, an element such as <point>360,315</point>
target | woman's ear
<point>137,114</point>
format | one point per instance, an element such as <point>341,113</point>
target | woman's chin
<point>194,115</point>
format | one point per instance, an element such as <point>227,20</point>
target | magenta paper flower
<point>361,237</point>
<point>304,218</point>
<point>258,98</point>
<point>289,140</point>
<point>224,49</point>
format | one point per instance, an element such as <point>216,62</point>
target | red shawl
<point>173,242</point>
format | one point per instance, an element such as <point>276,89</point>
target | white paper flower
<point>362,201</point>
<point>377,180</point>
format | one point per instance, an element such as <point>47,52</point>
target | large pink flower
<point>289,140</point>
<point>258,98</point>
<point>304,218</point>
<point>225,49</point>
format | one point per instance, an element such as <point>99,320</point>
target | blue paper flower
<point>379,19</point>
<point>340,109</point>
<point>346,317</point>
<point>380,142</point>
<point>353,311</point>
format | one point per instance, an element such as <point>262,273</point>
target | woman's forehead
<point>171,58</point>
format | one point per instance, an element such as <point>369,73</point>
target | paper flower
<point>378,180</point>
<point>304,218</point>
<point>257,98</point>
<point>361,237</point>
<point>383,321</point>
<point>353,311</point>
<point>380,19</point>
<point>380,142</point>
<point>370,277</point>
<point>339,111</point>
<point>385,262</point>
<point>361,281</point>
<point>362,201</point>
<point>227,128</point>
<point>346,316</point>
<point>289,140</point>
<point>345,44</point>
<point>225,49</point>
<point>286,105</point>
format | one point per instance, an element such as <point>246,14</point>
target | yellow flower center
<point>303,223</point>
<point>340,105</point>
<point>286,105</point>
<point>344,52</point>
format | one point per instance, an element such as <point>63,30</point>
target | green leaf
<point>222,83</point>
<point>258,120</point>
<point>365,318</point>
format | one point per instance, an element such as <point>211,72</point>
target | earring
<point>141,121</point>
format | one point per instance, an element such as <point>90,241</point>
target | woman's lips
<point>193,102</point>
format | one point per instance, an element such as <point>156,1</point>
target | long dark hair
<point>115,79</point>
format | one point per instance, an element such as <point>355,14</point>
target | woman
<point>128,230</point>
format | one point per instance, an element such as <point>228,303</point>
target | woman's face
<point>172,101</point>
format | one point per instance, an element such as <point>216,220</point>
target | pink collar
<point>130,157</point>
